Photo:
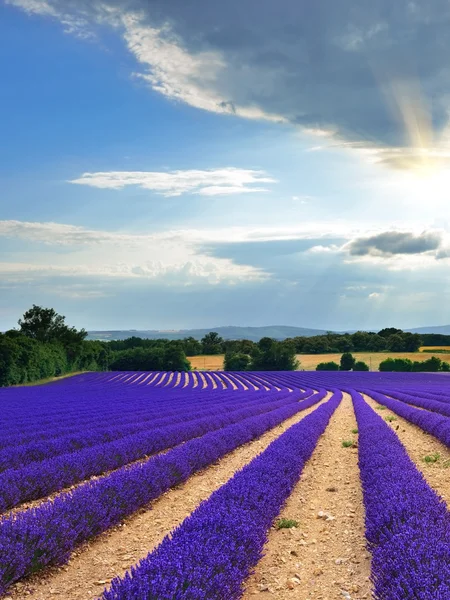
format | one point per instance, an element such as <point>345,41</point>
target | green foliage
<point>435,339</point>
<point>355,431</point>
<point>360,341</point>
<point>170,357</point>
<point>45,347</point>
<point>347,362</point>
<point>192,347</point>
<point>395,364</point>
<point>271,355</point>
<point>327,366</point>
<point>348,444</point>
<point>236,361</point>
<point>432,458</point>
<point>212,343</point>
<point>286,524</point>
<point>390,418</point>
<point>380,407</point>
<point>388,331</point>
<point>432,365</point>
<point>360,366</point>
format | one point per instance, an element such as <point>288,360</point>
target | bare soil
<point>322,559</point>
<point>95,563</point>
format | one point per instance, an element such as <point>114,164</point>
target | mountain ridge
<point>231,332</point>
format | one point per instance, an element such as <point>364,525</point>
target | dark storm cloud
<point>327,64</point>
<point>395,242</point>
<point>261,253</point>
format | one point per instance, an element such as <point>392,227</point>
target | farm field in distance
<point>288,484</point>
<point>309,362</point>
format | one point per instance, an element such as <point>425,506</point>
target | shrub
<point>327,366</point>
<point>347,361</point>
<point>286,523</point>
<point>348,444</point>
<point>360,366</point>
<point>236,361</point>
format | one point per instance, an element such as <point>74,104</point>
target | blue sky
<point>170,165</point>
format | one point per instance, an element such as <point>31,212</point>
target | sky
<point>169,165</point>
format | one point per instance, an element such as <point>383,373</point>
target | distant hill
<point>441,329</point>
<point>278,332</point>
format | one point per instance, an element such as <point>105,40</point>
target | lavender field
<point>211,485</point>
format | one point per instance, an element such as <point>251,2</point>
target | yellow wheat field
<point>309,362</point>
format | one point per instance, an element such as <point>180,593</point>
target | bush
<point>236,361</point>
<point>395,364</point>
<point>347,361</point>
<point>432,365</point>
<point>327,366</point>
<point>360,366</point>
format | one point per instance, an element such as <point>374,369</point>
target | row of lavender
<point>407,523</point>
<point>47,534</point>
<point>37,479</point>
<point>210,555</point>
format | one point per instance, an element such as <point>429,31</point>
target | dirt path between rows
<point>419,445</point>
<point>321,559</point>
<point>95,563</point>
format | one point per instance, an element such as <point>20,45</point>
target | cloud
<point>392,243</point>
<point>200,271</point>
<point>370,77</point>
<point>212,182</point>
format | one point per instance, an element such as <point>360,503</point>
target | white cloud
<point>201,270</point>
<point>374,295</point>
<point>210,182</point>
<point>168,258</point>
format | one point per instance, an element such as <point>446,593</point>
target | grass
<point>286,524</point>
<point>390,418</point>
<point>380,407</point>
<point>50,379</point>
<point>355,431</point>
<point>348,444</point>
<point>432,458</point>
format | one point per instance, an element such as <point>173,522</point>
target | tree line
<point>349,363</point>
<point>387,339</point>
<point>44,346</point>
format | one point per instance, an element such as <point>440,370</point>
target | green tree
<point>237,361</point>
<point>395,343</point>
<point>360,366</point>
<point>212,343</point>
<point>411,342</point>
<point>347,362</point>
<point>396,364</point>
<point>327,366</point>
<point>388,331</point>
<point>265,344</point>
<point>46,325</point>
<point>175,358</point>
<point>274,356</point>
<point>192,347</point>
